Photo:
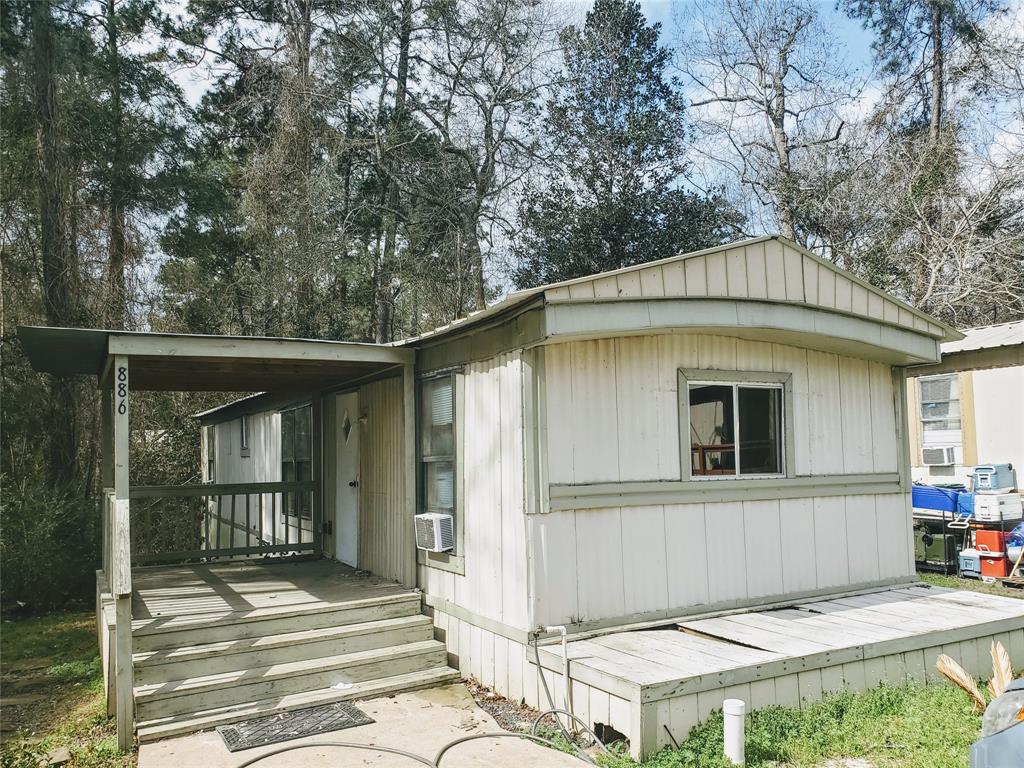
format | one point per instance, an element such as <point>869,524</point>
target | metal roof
<point>520,298</point>
<point>201,363</point>
<point>987,337</point>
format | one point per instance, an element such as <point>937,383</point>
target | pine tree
<point>612,194</point>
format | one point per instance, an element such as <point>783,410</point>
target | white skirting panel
<point>506,666</point>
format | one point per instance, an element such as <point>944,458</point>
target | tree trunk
<point>938,73</point>
<point>60,269</point>
<point>117,293</point>
<point>787,223</point>
<point>475,257</point>
<point>392,199</point>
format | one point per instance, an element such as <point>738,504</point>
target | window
<point>940,408</point>
<point>735,428</point>
<point>243,438</point>
<point>211,454</point>
<point>437,445</point>
<point>297,458</point>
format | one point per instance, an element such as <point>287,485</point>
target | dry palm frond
<point>1002,670</point>
<point>959,675</point>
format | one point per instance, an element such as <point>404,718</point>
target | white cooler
<point>997,507</point>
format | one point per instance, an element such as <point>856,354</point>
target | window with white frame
<point>437,445</point>
<point>736,428</point>
<point>940,409</point>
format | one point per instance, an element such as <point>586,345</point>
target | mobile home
<point>697,468</point>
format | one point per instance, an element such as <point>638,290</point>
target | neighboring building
<point>648,457</point>
<point>968,409</point>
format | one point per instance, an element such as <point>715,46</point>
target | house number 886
<point>122,390</point>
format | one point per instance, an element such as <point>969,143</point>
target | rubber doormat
<point>286,726</point>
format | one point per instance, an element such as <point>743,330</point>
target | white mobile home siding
<point>261,465</point>
<point>612,417</point>
<point>491,480</point>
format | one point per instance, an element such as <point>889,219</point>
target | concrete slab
<point>420,722</point>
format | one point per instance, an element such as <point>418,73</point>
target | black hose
<point>346,744</point>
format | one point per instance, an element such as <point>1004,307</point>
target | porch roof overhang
<point>199,363</point>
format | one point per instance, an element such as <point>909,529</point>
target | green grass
<point>910,726</point>
<point>50,663</point>
<point>974,585</point>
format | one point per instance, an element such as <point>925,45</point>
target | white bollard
<point>735,711</point>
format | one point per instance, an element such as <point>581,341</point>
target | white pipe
<point>560,628</point>
<point>734,711</point>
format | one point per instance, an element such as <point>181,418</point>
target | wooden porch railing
<point>187,523</point>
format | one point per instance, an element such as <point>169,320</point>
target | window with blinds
<point>437,445</point>
<point>940,405</point>
<point>297,459</point>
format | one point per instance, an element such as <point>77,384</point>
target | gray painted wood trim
<point>837,330</point>
<point>169,345</point>
<point>410,417</point>
<point>974,360</point>
<point>899,382</point>
<point>643,493</point>
<point>438,603</point>
<point>218,489</point>
<point>686,375</point>
<point>522,328</point>
<point>442,561</point>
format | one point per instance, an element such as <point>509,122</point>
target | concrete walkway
<point>420,722</point>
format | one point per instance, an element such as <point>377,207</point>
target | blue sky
<point>856,38</point>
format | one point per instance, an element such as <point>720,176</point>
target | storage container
<point>934,548</point>
<point>995,565</point>
<point>970,563</point>
<point>929,497</point>
<point>965,503</point>
<point>997,507</point>
<point>994,478</point>
<point>990,541</point>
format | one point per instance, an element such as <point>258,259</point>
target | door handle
<point>353,484</point>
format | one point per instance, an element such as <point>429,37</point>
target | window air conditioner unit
<point>943,456</point>
<point>435,532</point>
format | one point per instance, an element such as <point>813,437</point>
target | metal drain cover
<point>286,726</point>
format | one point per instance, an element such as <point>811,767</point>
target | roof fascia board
<point>973,360</point>
<point>244,347</point>
<point>951,333</point>
<point>594,319</point>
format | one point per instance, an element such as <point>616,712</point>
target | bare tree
<point>768,85</point>
<point>487,71</point>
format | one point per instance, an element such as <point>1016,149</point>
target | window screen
<point>736,429</point>
<point>437,445</point>
<point>940,403</point>
<point>297,458</point>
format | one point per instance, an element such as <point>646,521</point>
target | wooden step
<point>155,633</point>
<point>204,692</point>
<point>176,725</point>
<point>163,665</point>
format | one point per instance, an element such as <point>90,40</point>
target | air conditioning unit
<point>943,456</point>
<point>435,532</point>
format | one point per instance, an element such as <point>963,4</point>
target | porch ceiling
<point>196,363</point>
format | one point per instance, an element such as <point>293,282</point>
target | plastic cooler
<point>929,497</point>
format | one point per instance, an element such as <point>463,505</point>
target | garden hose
<point>436,761</point>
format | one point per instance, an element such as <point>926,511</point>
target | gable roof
<point>770,268</point>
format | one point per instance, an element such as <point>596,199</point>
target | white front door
<point>346,494</point>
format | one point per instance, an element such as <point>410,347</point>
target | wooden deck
<point>167,596</point>
<point>661,681</point>
<point>213,644</point>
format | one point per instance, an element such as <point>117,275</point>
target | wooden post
<point>317,464</point>
<point>409,456</point>
<point>121,560</point>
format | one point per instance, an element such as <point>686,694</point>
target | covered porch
<point>260,576</point>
